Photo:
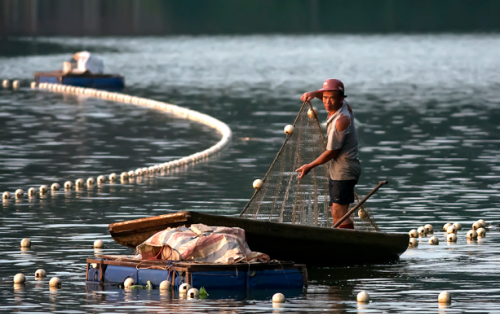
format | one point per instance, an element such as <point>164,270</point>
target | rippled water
<point>428,107</point>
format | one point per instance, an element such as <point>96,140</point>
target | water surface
<point>428,107</point>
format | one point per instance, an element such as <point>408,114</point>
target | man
<point>341,149</point>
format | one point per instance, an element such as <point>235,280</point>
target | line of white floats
<point>478,230</point>
<point>177,111</point>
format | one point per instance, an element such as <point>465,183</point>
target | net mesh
<point>285,198</point>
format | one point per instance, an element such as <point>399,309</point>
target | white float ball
<point>312,113</point>
<point>112,177</point>
<point>476,225</point>
<point>445,227</point>
<point>15,84</point>
<point>33,85</point>
<point>144,170</point>
<point>458,226</point>
<point>40,273</point>
<point>129,282</point>
<point>151,169</point>
<point>451,229</point>
<point>472,235</point>
<point>482,223</point>
<point>19,278</point>
<point>278,298</point>
<point>31,192</point>
<point>90,181</point>
<point>6,195</point>
<point>124,176</point>
<point>54,186</point>
<point>363,297</point>
<point>101,179</point>
<point>444,297</point>
<point>413,233</point>
<point>258,184</point>
<point>19,193</point>
<point>481,232</point>
<point>25,242</point>
<point>98,244</point>
<point>165,285</point>
<point>138,172</point>
<point>79,183</point>
<point>362,214</point>
<point>184,288</point>
<point>68,185</point>
<point>289,129</point>
<point>193,293</point>
<point>429,229</point>
<point>5,83</point>
<point>434,240</point>
<point>131,174</point>
<point>43,189</point>
<point>413,242</point>
<point>55,282</point>
<point>451,237</point>
<point>421,232</point>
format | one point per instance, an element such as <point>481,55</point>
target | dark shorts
<point>342,191</point>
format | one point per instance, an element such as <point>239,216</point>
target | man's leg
<point>338,211</point>
<point>341,195</point>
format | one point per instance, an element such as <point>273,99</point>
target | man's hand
<point>304,170</point>
<point>323,158</point>
<point>308,96</point>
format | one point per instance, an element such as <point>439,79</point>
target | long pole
<point>349,213</point>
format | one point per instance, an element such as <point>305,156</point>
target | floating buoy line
<point>450,233</point>
<point>126,176</point>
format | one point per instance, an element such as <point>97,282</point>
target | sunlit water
<point>429,109</point>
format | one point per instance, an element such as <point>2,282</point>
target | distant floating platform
<point>113,270</point>
<point>102,81</point>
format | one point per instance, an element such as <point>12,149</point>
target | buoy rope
<point>184,113</point>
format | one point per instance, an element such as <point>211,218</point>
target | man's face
<point>333,100</point>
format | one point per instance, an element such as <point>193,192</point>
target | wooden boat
<point>113,270</point>
<point>302,244</point>
<point>106,81</point>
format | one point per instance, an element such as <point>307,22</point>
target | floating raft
<point>314,246</point>
<point>113,270</point>
<point>106,81</point>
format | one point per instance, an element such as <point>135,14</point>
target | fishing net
<point>285,198</point>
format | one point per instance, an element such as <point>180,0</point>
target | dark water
<point>429,109</point>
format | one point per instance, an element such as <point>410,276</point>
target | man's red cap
<point>331,85</point>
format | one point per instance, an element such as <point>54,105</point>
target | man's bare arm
<point>311,95</point>
<point>323,158</point>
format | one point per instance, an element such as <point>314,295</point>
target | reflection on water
<point>428,107</point>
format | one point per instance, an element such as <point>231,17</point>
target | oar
<point>359,204</point>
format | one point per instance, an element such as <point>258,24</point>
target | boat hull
<point>314,246</point>
<point>100,81</point>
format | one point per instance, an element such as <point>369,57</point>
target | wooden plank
<point>134,232</point>
<point>192,267</point>
<point>305,277</point>
<point>87,273</point>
